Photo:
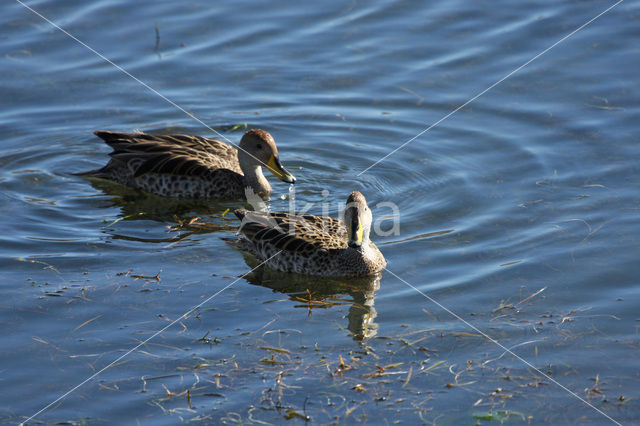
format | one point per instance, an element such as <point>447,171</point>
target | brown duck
<point>313,245</point>
<point>192,166</point>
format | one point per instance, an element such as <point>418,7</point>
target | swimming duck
<point>192,166</point>
<point>313,245</point>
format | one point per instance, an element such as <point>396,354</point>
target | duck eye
<point>259,146</point>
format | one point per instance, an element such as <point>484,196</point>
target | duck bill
<point>275,167</point>
<point>355,233</point>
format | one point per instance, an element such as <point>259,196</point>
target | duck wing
<point>182,155</point>
<point>292,232</point>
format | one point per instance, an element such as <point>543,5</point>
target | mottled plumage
<point>313,245</point>
<point>191,166</point>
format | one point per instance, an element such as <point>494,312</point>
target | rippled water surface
<point>518,214</point>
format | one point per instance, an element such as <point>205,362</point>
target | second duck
<point>313,245</point>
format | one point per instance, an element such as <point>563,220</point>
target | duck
<point>313,245</point>
<point>185,166</point>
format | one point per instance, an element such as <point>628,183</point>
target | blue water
<point>532,186</point>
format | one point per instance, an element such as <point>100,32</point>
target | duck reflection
<point>181,215</point>
<point>320,293</point>
<point>134,203</point>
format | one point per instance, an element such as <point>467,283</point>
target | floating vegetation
<point>276,372</point>
<point>232,127</point>
<point>207,340</point>
<point>292,414</point>
<point>499,416</point>
<point>155,277</point>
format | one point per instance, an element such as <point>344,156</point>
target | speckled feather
<point>181,166</point>
<point>307,244</point>
<point>284,229</point>
<point>181,155</point>
<point>173,165</point>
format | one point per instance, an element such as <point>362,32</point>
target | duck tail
<point>100,173</point>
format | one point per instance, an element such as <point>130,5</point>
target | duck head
<point>257,149</point>
<point>357,219</point>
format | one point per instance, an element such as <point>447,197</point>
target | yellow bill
<point>275,167</point>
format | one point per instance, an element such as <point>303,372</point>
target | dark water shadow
<point>135,203</point>
<point>308,292</point>
<point>183,217</point>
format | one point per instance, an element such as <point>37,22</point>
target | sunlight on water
<point>532,186</point>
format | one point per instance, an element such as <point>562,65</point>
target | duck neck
<point>255,179</point>
<point>362,252</point>
<point>371,257</point>
<point>366,250</point>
